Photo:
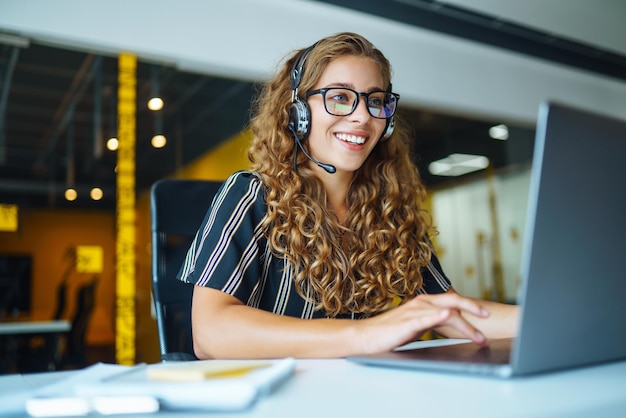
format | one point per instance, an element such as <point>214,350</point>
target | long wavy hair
<point>359,267</point>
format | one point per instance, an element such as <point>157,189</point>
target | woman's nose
<point>361,112</point>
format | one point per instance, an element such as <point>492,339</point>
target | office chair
<point>61,300</point>
<point>177,210</point>
<point>75,350</point>
<point>66,350</point>
<point>70,255</point>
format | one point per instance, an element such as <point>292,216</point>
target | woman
<point>327,227</point>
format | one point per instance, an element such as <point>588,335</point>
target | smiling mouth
<point>352,139</point>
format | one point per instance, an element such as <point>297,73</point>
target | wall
<point>48,234</point>
<point>464,217</point>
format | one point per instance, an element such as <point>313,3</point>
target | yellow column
<point>125,245</point>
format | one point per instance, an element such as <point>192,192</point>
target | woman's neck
<point>337,186</point>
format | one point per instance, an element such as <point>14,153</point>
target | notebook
<point>572,297</point>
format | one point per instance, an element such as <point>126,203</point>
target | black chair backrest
<point>76,346</point>
<point>177,209</point>
<point>61,300</point>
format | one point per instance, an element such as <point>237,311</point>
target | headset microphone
<point>327,167</point>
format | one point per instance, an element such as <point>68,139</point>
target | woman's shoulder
<point>244,177</point>
<point>244,182</point>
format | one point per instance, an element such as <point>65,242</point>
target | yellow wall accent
<point>89,259</point>
<point>126,213</point>
<point>147,340</point>
<point>8,217</point>
<point>230,156</point>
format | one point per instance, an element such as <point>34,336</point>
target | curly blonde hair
<point>387,229</point>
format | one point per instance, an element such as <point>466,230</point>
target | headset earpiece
<point>299,119</point>
<point>299,113</point>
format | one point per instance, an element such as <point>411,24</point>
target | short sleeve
<point>224,254</point>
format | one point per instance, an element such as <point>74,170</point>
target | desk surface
<point>339,388</point>
<point>34,327</point>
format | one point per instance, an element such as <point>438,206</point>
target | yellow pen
<point>201,370</point>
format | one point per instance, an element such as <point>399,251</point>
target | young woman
<point>322,248</point>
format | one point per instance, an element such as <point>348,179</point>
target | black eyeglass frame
<point>323,91</point>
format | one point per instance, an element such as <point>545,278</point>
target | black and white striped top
<point>231,254</point>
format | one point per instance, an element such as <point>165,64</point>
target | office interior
<point>462,68</point>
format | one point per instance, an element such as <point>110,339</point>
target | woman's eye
<point>376,102</point>
<point>339,98</point>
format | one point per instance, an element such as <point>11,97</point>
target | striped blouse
<point>230,253</point>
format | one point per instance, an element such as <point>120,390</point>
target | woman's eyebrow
<point>345,85</point>
<point>351,86</point>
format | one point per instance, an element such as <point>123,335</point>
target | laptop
<point>572,297</point>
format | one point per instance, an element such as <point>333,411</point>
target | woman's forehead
<point>353,71</point>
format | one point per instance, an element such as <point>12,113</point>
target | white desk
<point>34,327</point>
<point>338,388</point>
<point>11,333</point>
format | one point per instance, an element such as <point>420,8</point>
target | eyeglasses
<point>343,101</point>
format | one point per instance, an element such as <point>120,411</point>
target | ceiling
<point>58,108</point>
<point>61,109</point>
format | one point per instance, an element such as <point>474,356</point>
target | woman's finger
<point>449,308</point>
<point>463,326</point>
<point>453,300</point>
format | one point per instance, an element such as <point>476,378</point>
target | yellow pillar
<point>126,245</point>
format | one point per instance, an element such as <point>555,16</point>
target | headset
<point>299,112</point>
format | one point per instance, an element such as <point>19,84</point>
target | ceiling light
<point>159,141</point>
<point>458,165</point>
<point>500,132</point>
<point>155,103</point>
<point>96,193</point>
<point>71,194</point>
<point>113,144</point>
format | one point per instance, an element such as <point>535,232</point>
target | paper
<point>226,385</point>
<point>60,399</point>
<point>79,406</point>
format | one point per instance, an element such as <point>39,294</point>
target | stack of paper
<point>211,385</point>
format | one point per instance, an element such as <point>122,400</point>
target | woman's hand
<point>413,318</point>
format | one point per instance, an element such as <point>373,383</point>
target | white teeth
<point>353,139</point>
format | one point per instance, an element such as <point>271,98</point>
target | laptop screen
<point>573,272</point>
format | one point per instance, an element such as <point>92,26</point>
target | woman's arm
<point>223,327</point>
<point>502,322</point>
